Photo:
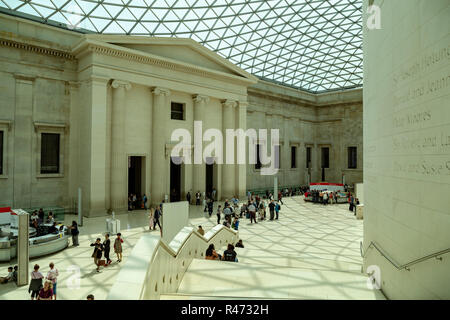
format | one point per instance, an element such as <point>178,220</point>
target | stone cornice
<point>36,49</point>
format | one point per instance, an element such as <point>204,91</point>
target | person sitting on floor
<point>230,254</point>
<point>211,253</point>
<point>8,278</point>
<point>239,244</point>
<point>201,231</point>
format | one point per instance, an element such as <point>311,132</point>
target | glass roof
<point>313,45</point>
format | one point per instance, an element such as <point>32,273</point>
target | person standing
<point>219,213</point>
<point>271,209</point>
<point>144,199</point>
<point>118,247</point>
<point>74,232</point>
<point>97,254</point>
<point>210,207</point>
<point>252,211</point>
<point>151,219</point>
<point>107,249</point>
<point>277,210</point>
<point>52,275</point>
<point>36,282</point>
<point>325,198</point>
<point>213,195</point>
<point>188,197</point>
<point>197,198</point>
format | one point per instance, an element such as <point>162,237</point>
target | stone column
<point>228,170</point>
<point>199,174</point>
<point>119,163</point>
<point>93,180</point>
<point>23,135</point>
<point>161,114</point>
<point>241,169</point>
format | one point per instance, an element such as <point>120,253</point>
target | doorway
<point>135,177</point>
<point>175,180</point>
<point>209,185</point>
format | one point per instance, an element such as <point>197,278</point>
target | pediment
<point>185,51</point>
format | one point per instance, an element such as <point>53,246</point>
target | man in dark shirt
<point>230,254</point>
<point>271,209</point>
<point>107,249</point>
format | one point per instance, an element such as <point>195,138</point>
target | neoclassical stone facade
<point>114,102</point>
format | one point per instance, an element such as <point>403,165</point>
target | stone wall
<point>331,120</point>
<point>407,146</point>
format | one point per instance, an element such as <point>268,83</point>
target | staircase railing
<point>398,266</point>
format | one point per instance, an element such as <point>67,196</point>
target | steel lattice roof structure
<point>312,45</point>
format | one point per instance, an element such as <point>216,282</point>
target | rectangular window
<point>308,157</point>
<point>1,152</point>
<point>352,158</point>
<point>177,111</point>
<point>325,157</point>
<point>293,157</point>
<point>258,158</point>
<point>50,153</point>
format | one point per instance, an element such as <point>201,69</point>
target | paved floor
<point>308,236</point>
<point>311,252</point>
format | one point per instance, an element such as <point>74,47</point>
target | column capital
<point>119,83</point>
<point>161,91</point>
<point>200,98</point>
<point>243,104</point>
<point>229,103</point>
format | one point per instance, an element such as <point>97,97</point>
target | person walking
<point>36,282</point>
<point>210,207</point>
<point>107,249</point>
<point>158,214</point>
<point>74,232</point>
<point>97,254</point>
<point>52,275</point>
<point>118,247</point>
<point>151,219</point>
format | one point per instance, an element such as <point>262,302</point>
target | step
<point>229,279</point>
<point>181,296</point>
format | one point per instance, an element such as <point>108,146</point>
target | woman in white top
<point>52,275</point>
<point>36,282</point>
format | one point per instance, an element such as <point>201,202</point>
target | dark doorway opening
<point>135,178</point>
<point>175,181</point>
<point>209,178</point>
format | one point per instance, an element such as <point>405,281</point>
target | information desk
<point>38,246</point>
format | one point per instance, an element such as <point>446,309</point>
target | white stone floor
<point>314,245</point>
<point>311,252</point>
